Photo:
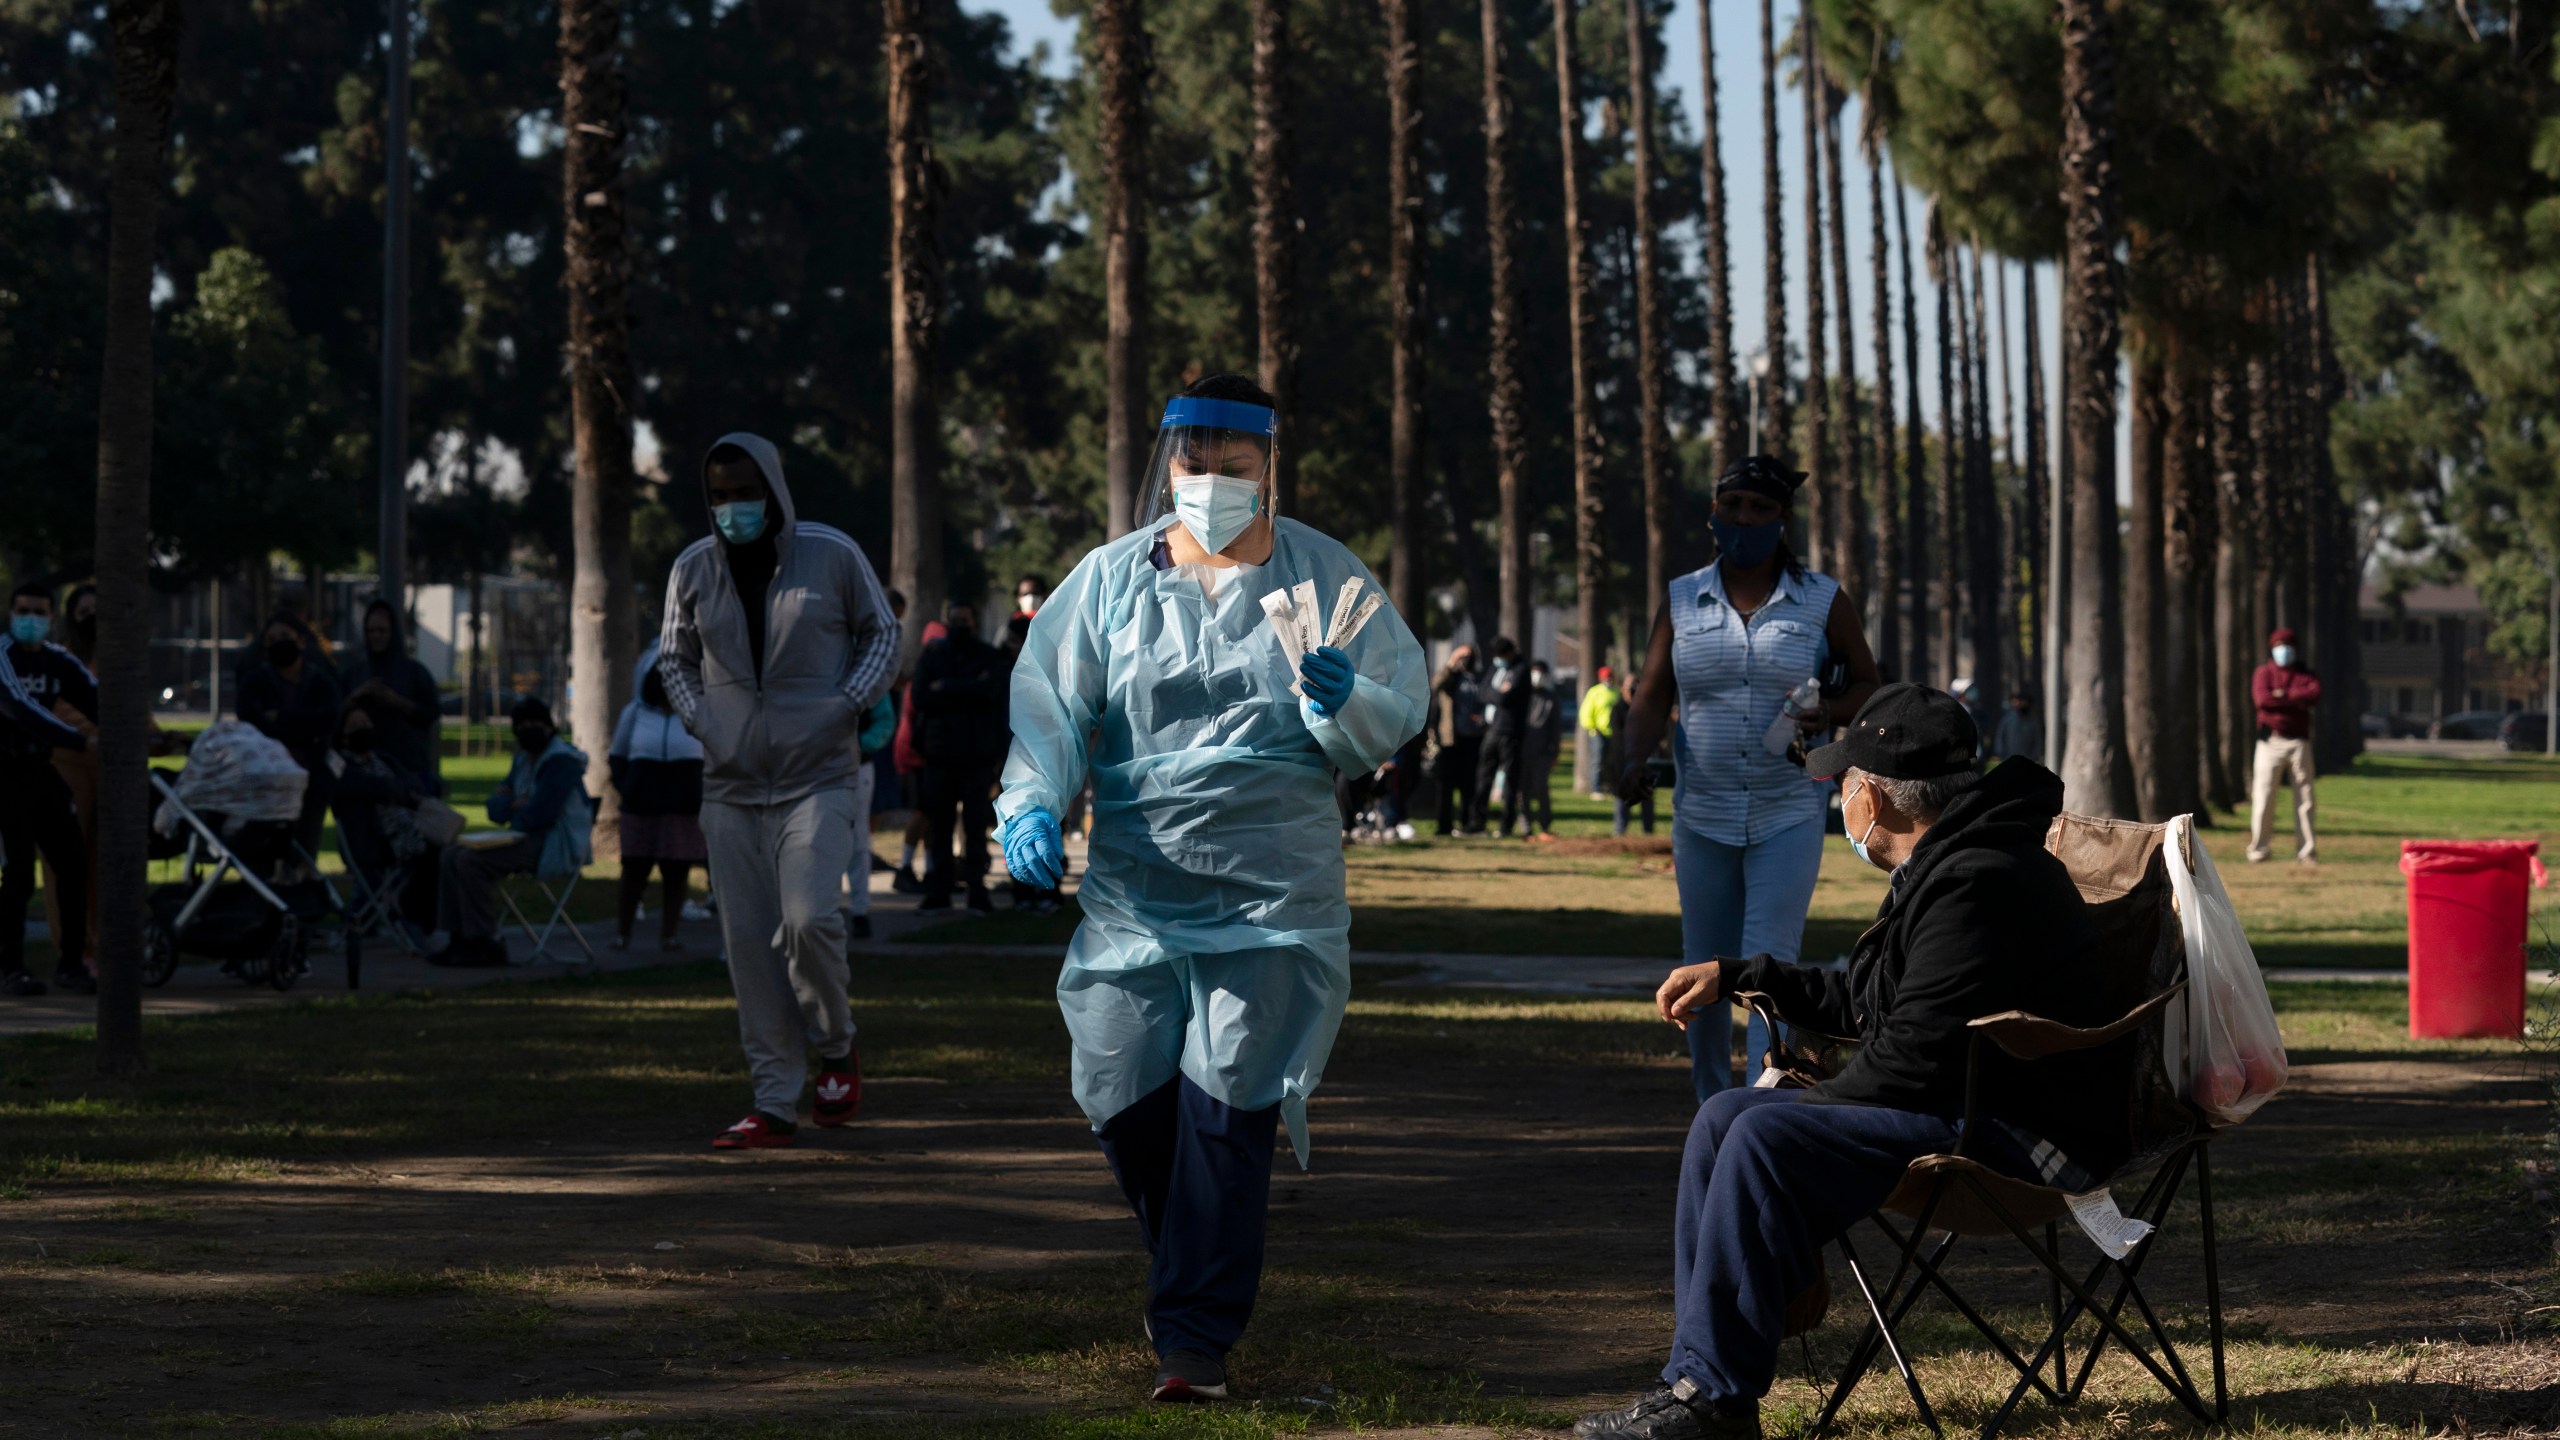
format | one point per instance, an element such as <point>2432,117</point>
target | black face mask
<point>532,738</point>
<point>282,653</point>
<point>358,742</point>
<point>961,634</point>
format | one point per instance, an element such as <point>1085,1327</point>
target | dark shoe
<point>839,1092</point>
<point>758,1131</point>
<point>861,927</point>
<point>980,902</point>
<point>878,865</point>
<point>934,902</point>
<point>21,984</point>
<point>482,954</point>
<point>905,882</point>
<point>75,981</point>
<point>1671,1413</point>
<point>1189,1378</point>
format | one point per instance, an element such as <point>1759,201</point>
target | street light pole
<point>392,543</point>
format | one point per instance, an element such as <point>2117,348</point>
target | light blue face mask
<point>1216,508</point>
<point>1858,843</point>
<point>30,629</point>
<point>740,521</point>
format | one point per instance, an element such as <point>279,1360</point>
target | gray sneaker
<point>1670,1413</point>
<point>1188,1377</point>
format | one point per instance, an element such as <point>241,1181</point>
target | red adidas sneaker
<point>758,1131</point>
<point>839,1092</point>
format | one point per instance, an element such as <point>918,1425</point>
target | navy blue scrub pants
<point>1198,1174</point>
<point>1766,1182</point>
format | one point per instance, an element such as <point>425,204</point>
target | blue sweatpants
<point>1766,1182</point>
<point>1737,901</point>
<point>1198,1174</point>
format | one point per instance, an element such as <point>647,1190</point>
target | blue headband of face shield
<point>1184,410</point>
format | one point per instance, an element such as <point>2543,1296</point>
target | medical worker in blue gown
<point>1204,989</point>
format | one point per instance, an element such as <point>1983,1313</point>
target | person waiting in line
<point>910,766</point>
<point>291,694</point>
<point>401,696</point>
<point>1979,919</point>
<point>777,643</point>
<point>1203,991</point>
<point>1541,741</point>
<point>37,820</point>
<point>960,731</point>
<point>2285,692</point>
<point>1597,714</point>
<point>1506,716</point>
<point>544,801</point>
<point>2019,732</point>
<point>376,799</point>
<point>1028,592</point>
<point>657,772</point>
<point>1730,645</point>
<point>1457,744</point>
<point>56,678</point>
<point>79,629</point>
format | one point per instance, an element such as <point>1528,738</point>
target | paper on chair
<point>2107,1227</point>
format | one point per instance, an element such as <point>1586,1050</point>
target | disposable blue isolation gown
<point>1216,937</point>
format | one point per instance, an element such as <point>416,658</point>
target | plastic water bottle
<point>1803,703</point>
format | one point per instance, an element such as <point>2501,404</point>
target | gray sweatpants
<point>777,869</point>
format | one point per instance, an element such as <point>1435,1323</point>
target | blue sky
<point>1737,37</point>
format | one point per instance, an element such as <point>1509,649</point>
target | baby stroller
<point>231,814</point>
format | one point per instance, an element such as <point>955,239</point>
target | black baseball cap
<point>1903,732</point>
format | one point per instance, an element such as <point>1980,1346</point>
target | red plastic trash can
<point>2468,909</point>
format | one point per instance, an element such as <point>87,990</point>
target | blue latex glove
<point>1326,675</point>
<point>1034,852</point>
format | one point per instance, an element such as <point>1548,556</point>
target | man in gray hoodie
<point>777,642</point>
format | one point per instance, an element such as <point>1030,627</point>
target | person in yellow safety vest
<point>1599,715</point>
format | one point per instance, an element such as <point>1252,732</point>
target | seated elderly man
<point>1979,919</point>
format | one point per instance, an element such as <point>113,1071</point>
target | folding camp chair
<point>2139,959</point>
<point>557,899</point>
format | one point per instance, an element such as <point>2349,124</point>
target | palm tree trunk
<point>1404,303</point>
<point>2052,517</point>
<point>1915,508</point>
<point>1652,383</point>
<point>2334,570</point>
<point>2183,484</point>
<point>1275,234</point>
<point>1819,507</point>
<point>2028,472</point>
<point>2234,563</point>
<point>1728,414</point>
<point>1505,384</point>
<point>2145,613</point>
<point>1583,320</point>
<point>1948,601</point>
<point>915,309</point>
<point>2267,459</point>
<point>1776,438</point>
<point>2212,783</point>
<point>2097,776</point>
<point>1121,72</point>
<point>1854,550</point>
<point>1988,610</point>
<point>146,34</point>
<point>602,385</point>
<point>1885,580</point>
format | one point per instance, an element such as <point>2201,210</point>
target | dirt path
<point>1502,1220</point>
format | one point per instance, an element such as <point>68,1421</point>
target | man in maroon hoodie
<point>2284,690</point>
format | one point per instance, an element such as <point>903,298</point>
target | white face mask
<point>1216,508</point>
<point>2284,656</point>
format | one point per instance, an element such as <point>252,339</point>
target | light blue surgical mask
<point>2284,656</point>
<point>1216,508</point>
<point>30,629</point>
<point>740,521</point>
<point>1858,842</point>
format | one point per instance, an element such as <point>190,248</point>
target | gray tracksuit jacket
<point>830,652</point>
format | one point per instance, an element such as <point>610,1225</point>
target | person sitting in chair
<point>1980,919</point>
<point>544,800</point>
<point>377,805</point>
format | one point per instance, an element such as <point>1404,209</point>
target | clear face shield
<point>1211,470</point>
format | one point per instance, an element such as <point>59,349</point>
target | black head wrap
<point>1761,475</point>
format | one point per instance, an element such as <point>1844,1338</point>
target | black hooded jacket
<point>1981,919</point>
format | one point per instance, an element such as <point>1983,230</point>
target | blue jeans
<point>1738,901</point>
<point>1765,1183</point>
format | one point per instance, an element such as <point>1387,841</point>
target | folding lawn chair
<point>376,913</point>
<point>2139,957</point>
<point>544,880</point>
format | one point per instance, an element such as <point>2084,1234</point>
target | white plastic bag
<point>2233,1053</point>
<point>236,771</point>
